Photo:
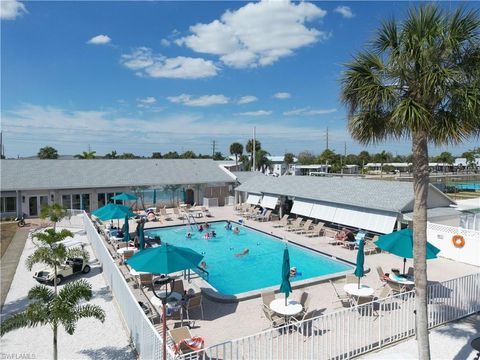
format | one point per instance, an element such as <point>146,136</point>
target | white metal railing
<point>146,339</point>
<point>354,331</point>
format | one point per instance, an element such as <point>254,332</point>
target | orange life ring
<point>458,241</point>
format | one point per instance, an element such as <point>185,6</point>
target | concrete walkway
<point>449,342</point>
<point>9,261</point>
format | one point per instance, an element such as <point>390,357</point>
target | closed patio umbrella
<point>285,287</point>
<point>126,230</point>
<point>400,243</point>
<point>359,272</point>
<point>141,237</point>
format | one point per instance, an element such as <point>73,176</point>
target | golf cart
<point>71,267</point>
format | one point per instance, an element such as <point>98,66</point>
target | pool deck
<point>224,322</point>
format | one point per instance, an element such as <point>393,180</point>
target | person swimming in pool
<point>293,271</point>
<point>214,234</point>
<point>203,265</point>
<point>228,225</point>
<point>188,235</point>
<point>200,228</point>
<point>243,253</point>
<point>236,230</point>
<point>206,236</point>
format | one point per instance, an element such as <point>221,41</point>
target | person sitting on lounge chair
<point>345,235</point>
<point>243,253</point>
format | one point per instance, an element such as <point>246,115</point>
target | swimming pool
<point>472,186</point>
<point>261,268</point>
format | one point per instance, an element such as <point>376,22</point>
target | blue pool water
<point>261,268</point>
<point>468,186</point>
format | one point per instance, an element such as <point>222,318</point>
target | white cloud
<point>247,99</point>
<point>11,9</point>
<point>201,101</point>
<point>255,113</point>
<point>308,112</point>
<point>146,102</point>
<point>282,95</point>
<point>257,34</point>
<point>165,42</point>
<point>345,11</point>
<point>99,40</point>
<point>146,63</point>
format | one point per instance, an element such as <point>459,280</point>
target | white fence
<point>354,331</point>
<point>146,339</point>
<point>441,236</point>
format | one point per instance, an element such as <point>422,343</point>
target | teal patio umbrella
<point>400,243</point>
<point>359,272</point>
<point>154,196</point>
<point>165,259</point>
<point>141,237</point>
<point>124,196</point>
<point>107,209</point>
<point>126,230</point>
<point>285,287</point>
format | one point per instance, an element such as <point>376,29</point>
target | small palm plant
<point>52,252</point>
<point>54,213</point>
<point>48,307</point>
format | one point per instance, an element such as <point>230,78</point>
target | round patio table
<point>122,250</point>
<point>403,280</point>
<point>364,291</point>
<point>293,307</point>
<point>172,300</point>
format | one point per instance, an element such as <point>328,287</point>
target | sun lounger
<point>184,342</point>
<point>305,227</point>
<point>282,222</point>
<point>316,231</point>
<point>164,213</point>
<point>180,215</point>
<point>295,225</point>
<point>264,217</point>
<point>343,298</point>
<point>370,248</point>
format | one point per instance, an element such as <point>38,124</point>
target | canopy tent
<point>269,202</point>
<point>302,208</point>
<point>253,199</point>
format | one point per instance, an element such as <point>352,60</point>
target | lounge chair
<point>370,248</point>
<point>282,222</point>
<point>343,298</point>
<point>164,213</point>
<point>410,271</point>
<point>178,287</point>
<point>301,323</point>
<point>384,293</point>
<point>195,303</point>
<point>381,275</point>
<point>295,225</point>
<point>305,302</point>
<point>316,230</point>
<point>145,280</point>
<point>127,254</point>
<point>331,233</point>
<point>305,227</point>
<point>205,212</point>
<point>265,217</point>
<point>180,215</point>
<point>396,287</point>
<point>184,342</point>
<point>267,298</point>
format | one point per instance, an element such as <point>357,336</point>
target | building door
<point>33,206</point>
<point>43,201</point>
<point>189,197</point>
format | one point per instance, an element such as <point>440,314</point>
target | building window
<point>67,201</point>
<point>109,197</point>
<point>76,201</point>
<point>101,200</point>
<point>85,202</point>
<point>8,204</point>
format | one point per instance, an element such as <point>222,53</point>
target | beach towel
<point>195,343</point>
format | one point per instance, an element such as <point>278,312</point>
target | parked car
<point>71,267</point>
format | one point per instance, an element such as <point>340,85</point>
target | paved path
<point>91,340</point>
<point>9,261</point>
<point>449,342</point>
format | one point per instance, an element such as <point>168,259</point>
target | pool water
<point>261,268</point>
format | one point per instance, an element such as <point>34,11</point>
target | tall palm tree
<point>236,149</point>
<point>48,307</point>
<point>54,213</point>
<point>418,79</point>
<point>249,149</point>
<point>52,252</point>
<point>86,155</point>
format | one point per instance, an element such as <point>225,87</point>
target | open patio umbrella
<point>285,287</point>
<point>359,272</point>
<point>124,196</point>
<point>126,230</point>
<point>141,237</point>
<point>108,209</point>
<point>400,243</point>
<point>112,211</point>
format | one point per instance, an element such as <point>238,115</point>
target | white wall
<point>441,236</point>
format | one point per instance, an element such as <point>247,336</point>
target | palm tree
<point>249,148</point>
<point>236,149</point>
<point>261,160</point>
<point>48,307</point>
<point>48,152</point>
<point>86,155</point>
<point>54,213</point>
<point>288,159</point>
<point>382,158</point>
<point>111,155</point>
<point>419,79</point>
<point>52,252</point>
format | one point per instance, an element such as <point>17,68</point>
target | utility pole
<point>254,150</point>
<point>327,138</point>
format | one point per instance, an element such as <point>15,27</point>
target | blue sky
<point>158,76</point>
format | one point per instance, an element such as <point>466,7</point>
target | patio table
<point>364,291</point>
<point>292,308</point>
<point>122,250</point>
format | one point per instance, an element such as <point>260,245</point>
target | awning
<point>269,202</point>
<point>323,212</point>
<point>302,208</point>
<point>253,199</point>
<point>380,222</point>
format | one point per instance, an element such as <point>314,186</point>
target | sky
<point>174,76</point>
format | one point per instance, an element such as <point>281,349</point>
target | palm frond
<point>77,252</point>
<point>74,292</point>
<point>42,255</point>
<point>90,310</point>
<point>41,292</point>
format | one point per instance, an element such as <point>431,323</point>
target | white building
<point>279,167</point>
<point>315,169</point>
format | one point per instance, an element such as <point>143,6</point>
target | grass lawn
<point>8,230</point>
